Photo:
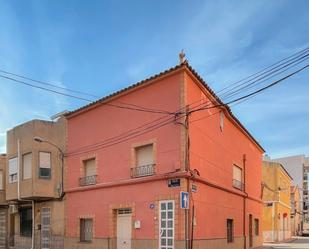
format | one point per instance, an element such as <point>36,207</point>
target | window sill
<point>85,242</point>
<point>44,178</point>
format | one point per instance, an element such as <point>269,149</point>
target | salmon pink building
<point>162,164</point>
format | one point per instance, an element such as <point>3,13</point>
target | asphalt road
<point>297,243</point>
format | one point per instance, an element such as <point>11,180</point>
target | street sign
<point>194,188</point>
<point>184,200</point>
<point>174,183</point>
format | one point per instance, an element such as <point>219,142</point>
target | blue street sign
<point>184,200</point>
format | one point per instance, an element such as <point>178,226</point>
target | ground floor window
<point>86,230</point>
<point>26,222</point>
<point>256,227</point>
<point>230,230</point>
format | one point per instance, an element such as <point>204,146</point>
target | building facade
<point>296,214</point>
<point>298,168</point>
<point>277,202</point>
<point>34,184</point>
<point>166,177</point>
<point>3,204</point>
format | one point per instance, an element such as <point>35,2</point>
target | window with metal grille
<point>237,178</point>
<point>44,164</point>
<point>256,227</point>
<point>26,222</point>
<point>86,229</point>
<point>230,230</point>
<point>124,211</point>
<point>90,173</point>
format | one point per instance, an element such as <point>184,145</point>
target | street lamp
<point>42,140</point>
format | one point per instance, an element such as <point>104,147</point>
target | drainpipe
<point>187,168</point>
<point>18,192</point>
<point>18,164</point>
<point>244,203</point>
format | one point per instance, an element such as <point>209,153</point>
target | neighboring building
<point>34,184</point>
<point>298,168</point>
<point>125,177</point>
<point>3,204</point>
<point>296,214</point>
<point>277,202</point>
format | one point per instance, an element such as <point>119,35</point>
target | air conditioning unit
<point>13,209</point>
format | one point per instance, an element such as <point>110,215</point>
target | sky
<point>102,46</point>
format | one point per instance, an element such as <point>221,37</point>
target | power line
<point>265,77</point>
<point>260,77</point>
<point>265,69</point>
<point>84,99</point>
<point>47,83</point>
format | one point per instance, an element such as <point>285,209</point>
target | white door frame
<point>166,224</point>
<point>127,212</point>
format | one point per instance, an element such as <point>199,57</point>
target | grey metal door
<point>3,229</point>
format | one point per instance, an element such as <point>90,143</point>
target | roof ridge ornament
<point>182,58</point>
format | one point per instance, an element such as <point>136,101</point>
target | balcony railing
<point>146,170</point>
<point>88,180</point>
<point>238,184</point>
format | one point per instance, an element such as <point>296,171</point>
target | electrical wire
<point>84,99</point>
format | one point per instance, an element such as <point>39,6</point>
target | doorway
<point>124,228</point>
<point>166,226</point>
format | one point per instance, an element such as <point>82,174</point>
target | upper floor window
<point>237,177</point>
<point>44,165</point>
<point>144,161</point>
<point>1,180</point>
<point>144,155</point>
<point>13,166</point>
<point>86,230</point>
<point>27,166</point>
<point>90,172</point>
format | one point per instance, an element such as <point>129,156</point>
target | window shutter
<point>144,155</point>
<point>90,169</point>
<point>237,173</point>
<point>1,180</point>
<point>86,229</point>
<point>44,160</point>
<point>27,166</point>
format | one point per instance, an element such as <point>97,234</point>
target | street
<point>298,243</point>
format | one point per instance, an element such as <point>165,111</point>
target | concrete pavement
<point>295,243</point>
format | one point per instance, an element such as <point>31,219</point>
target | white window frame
<point>50,165</point>
<point>14,179</point>
<point>166,228</point>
